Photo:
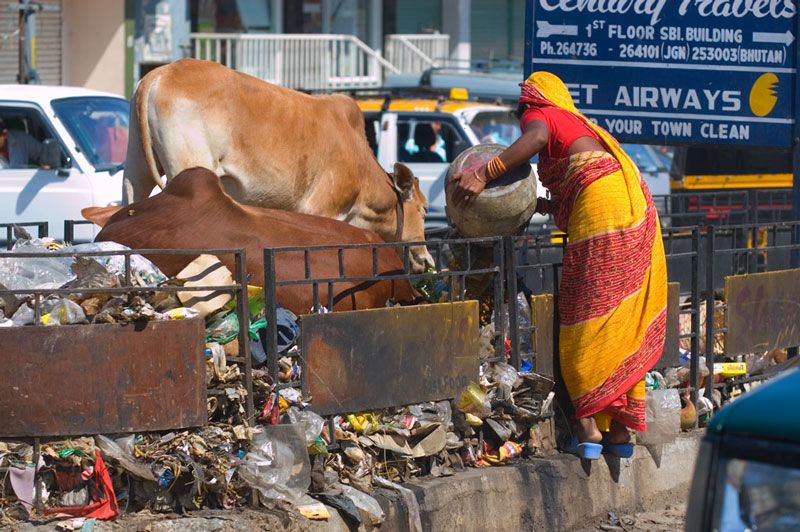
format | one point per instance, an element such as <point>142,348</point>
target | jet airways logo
<point>763,95</point>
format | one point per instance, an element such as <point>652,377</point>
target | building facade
<point>109,44</point>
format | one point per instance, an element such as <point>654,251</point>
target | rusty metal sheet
<point>367,359</point>
<point>542,313</point>
<point>763,311</point>
<point>671,356</point>
<point>94,379</point>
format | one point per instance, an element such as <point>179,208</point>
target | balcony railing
<point>320,61</point>
<point>412,53</point>
<point>297,61</point>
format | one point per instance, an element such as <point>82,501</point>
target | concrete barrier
<point>548,494</point>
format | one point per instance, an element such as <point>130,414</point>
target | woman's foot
<point>587,430</point>
<point>618,434</point>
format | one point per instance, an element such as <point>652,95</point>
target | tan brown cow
<point>193,212</point>
<point>273,147</point>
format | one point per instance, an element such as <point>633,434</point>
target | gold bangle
<point>495,168</point>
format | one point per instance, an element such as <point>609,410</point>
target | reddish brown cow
<point>193,212</point>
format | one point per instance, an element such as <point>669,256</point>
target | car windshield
<point>759,496</point>
<point>495,127</point>
<point>644,160</point>
<point>99,125</point>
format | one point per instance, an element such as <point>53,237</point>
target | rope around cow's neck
<point>398,208</point>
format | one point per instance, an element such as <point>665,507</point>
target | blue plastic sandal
<point>621,450</point>
<point>586,451</point>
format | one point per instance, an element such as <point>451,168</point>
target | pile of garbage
<point>287,453</point>
<point>94,276</point>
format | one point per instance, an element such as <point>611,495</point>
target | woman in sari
<point>613,289</point>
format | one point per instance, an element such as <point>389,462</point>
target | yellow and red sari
<point>613,290</point>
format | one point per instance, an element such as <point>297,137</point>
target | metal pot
<point>506,204</point>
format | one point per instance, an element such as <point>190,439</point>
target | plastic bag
<point>663,417</point>
<point>222,328</point>
<point>143,272</point>
<point>44,272</point>
<point>112,449</point>
<point>365,503</point>
<point>278,465</point>
<point>310,423</point>
<point>23,316</point>
<point>64,312</point>
<point>505,376</point>
<point>524,318</point>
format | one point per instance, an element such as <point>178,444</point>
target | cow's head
<point>414,208</point>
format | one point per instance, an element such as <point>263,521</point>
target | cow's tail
<point>142,103</point>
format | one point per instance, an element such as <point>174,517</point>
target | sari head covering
<point>612,297</point>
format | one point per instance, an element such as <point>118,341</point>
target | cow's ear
<point>404,180</point>
<point>99,215</point>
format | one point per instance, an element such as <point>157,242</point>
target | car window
<point>99,125</point>
<point>25,131</point>
<point>495,127</point>
<point>426,141</point>
<point>642,157</point>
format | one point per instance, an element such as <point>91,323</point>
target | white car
<point>81,140</point>
<point>457,125</point>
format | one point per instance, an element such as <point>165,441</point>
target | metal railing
<point>533,267</point>
<point>468,251</point>
<point>748,248</point>
<point>41,231</point>
<point>441,250</point>
<point>238,289</point>
<point>413,53</point>
<point>296,61</point>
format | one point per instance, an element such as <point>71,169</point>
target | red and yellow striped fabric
<point>613,290</point>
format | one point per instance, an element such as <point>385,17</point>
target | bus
<point>730,184</point>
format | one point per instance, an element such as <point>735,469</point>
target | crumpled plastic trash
<point>23,316</point>
<point>277,464</point>
<point>63,312</point>
<point>663,417</point>
<point>503,454</point>
<point>222,327</point>
<point>34,272</point>
<point>310,423</point>
<point>505,377</point>
<point>112,450</point>
<point>473,401</point>
<point>143,272</point>
<point>366,503</point>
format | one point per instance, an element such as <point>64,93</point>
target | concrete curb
<point>561,493</point>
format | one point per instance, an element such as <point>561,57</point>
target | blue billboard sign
<point>674,71</point>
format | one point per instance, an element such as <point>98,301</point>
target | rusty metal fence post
<point>694,362</point>
<point>271,313</point>
<point>510,268</point>
<point>710,303</point>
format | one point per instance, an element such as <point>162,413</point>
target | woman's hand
<point>469,185</point>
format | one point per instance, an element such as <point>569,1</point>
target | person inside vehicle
<point>613,288</point>
<point>18,149</point>
<point>425,138</point>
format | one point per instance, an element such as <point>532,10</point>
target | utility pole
<point>27,11</point>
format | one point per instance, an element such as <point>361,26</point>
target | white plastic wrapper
<point>663,417</point>
<point>278,465</point>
